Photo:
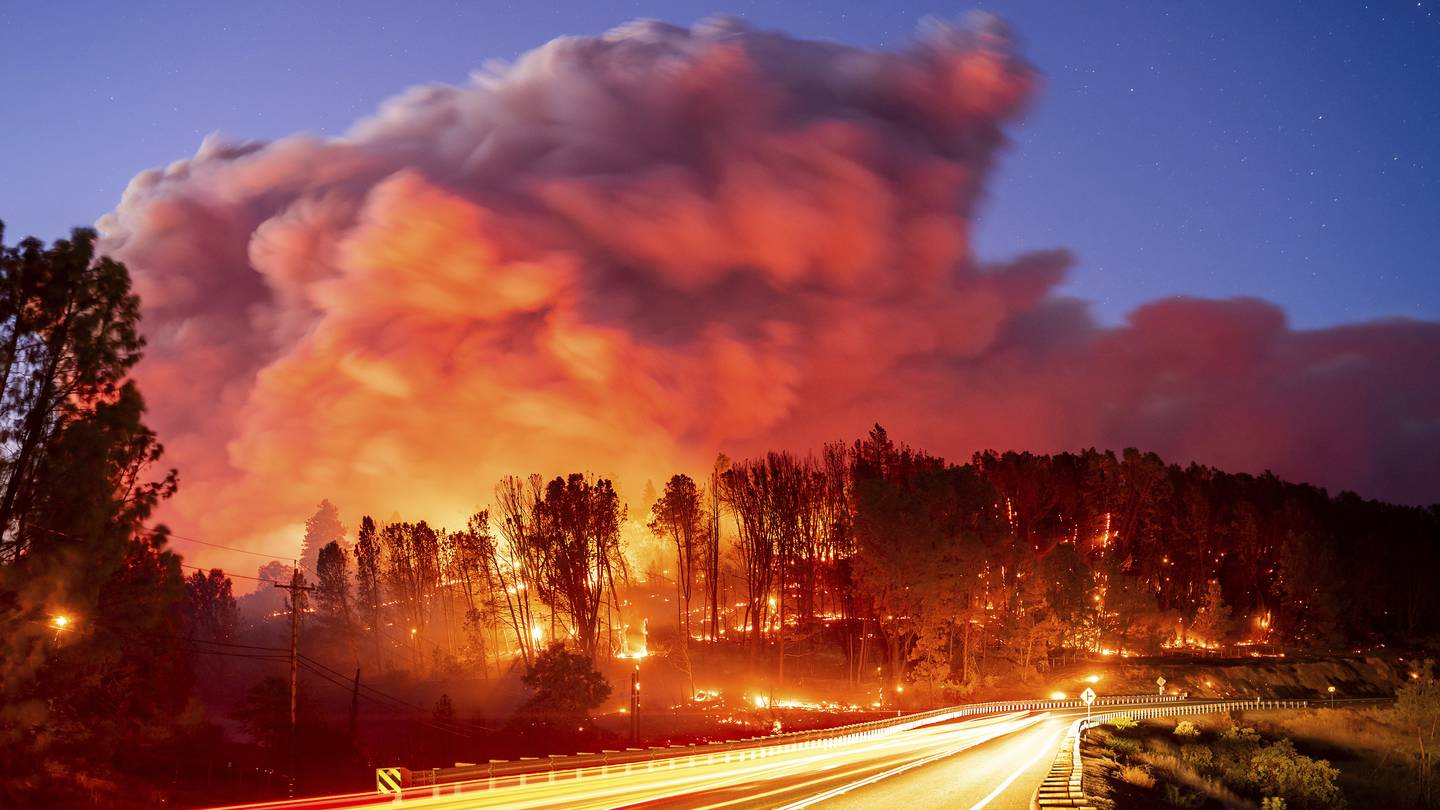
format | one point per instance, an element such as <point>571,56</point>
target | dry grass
<point>1137,776</point>
<point>1375,754</point>
<point>1181,773</point>
<point>1365,730</point>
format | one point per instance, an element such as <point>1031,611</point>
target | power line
<point>223,571</point>
<point>250,656</point>
<point>453,730</point>
<point>69,536</point>
<point>167,533</point>
<point>312,662</point>
<point>282,654</point>
<point>226,644</point>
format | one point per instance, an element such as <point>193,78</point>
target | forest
<point>864,563</point>
<point>937,573</point>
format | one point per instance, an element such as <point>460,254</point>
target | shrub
<point>1124,722</point>
<point>1272,803</point>
<point>1120,745</point>
<point>1238,736</point>
<point>1137,776</point>
<point>566,687</point>
<point>1278,770</point>
<point>1180,797</point>
<point>1185,728</point>
<point>1198,757</point>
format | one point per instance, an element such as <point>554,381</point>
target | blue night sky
<point>1284,150</point>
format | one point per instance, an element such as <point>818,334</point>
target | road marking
<point>1049,748</point>
<point>870,780</point>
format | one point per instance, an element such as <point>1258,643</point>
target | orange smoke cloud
<point>626,252</point>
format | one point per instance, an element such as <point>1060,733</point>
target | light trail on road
<point>852,772</point>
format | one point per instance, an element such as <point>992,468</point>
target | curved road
<point>996,761</point>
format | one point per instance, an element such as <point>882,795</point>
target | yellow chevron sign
<point>389,780</point>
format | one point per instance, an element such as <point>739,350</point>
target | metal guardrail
<point>1062,787</point>
<point>530,770</point>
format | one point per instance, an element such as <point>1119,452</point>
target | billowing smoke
<point>624,253</point>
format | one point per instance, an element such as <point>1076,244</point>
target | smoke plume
<point>626,252</point>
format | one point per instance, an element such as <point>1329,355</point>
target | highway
<point>994,761</point>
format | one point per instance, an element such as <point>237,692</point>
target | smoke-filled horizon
<point>625,253</point>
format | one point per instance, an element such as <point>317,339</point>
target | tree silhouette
<point>679,517</point>
<point>210,608</point>
<point>321,529</point>
<point>565,687</point>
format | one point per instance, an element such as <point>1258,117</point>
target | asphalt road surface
<point>996,761</point>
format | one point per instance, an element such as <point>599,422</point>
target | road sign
<point>389,780</point>
<point>1160,682</point>
<point>1088,696</point>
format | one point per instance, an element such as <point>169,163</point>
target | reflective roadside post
<point>635,703</point>
<point>1089,697</point>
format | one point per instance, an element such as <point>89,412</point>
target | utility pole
<point>296,594</point>
<point>355,703</point>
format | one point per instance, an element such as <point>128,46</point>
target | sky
<point>1283,150</point>
<point>1209,236</point>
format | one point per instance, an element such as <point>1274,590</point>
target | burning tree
<point>368,565</point>
<point>746,489</point>
<point>579,552</point>
<point>412,573</point>
<point>472,561</point>
<point>518,565</point>
<point>679,516</point>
